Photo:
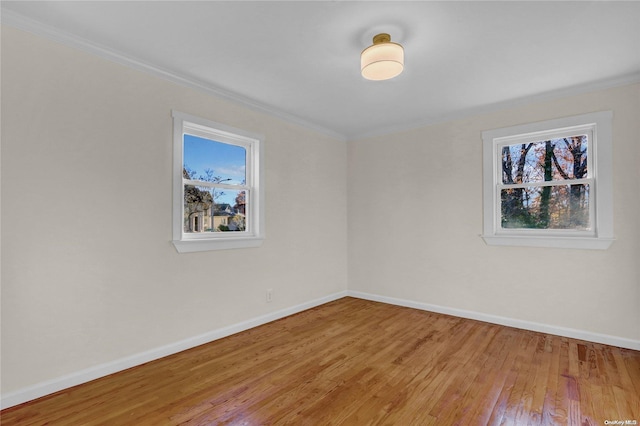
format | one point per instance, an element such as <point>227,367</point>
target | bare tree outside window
<point>544,184</point>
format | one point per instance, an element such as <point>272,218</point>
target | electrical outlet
<point>269,295</point>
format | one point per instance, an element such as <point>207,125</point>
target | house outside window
<point>549,184</point>
<point>217,186</point>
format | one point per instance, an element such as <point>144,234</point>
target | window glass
<point>218,206</point>
<point>553,159</point>
<point>212,161</point>
<point>546,203</point>
<point>546,207</point>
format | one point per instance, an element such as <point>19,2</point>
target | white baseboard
<point>509,322</point>
<point>51,386</point>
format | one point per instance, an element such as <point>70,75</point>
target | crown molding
<point>41,29</point>
<point>622,80</point>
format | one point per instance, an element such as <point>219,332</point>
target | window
<point>218,188</point>
<point>549,184</point>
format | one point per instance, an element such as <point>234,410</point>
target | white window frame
<point>254,235</point>
<point>599,128</point>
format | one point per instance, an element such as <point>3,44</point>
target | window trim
<point>601,170</point>
<point>253,143</point>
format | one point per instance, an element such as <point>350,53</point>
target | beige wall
<point>431,252</point>
<point>88,271</point>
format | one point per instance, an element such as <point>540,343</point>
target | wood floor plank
<point>357,362</point>
<point>549,409</point>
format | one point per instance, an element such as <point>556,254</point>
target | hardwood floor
<point>356,362</point>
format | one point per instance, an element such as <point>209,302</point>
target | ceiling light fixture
<point>383,60</point>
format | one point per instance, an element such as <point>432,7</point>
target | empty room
<point>320,213</point>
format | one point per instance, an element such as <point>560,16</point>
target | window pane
<point>230,211</point>
<point>546,207</point>
<point>212,161</point>
<point>541,161</point>
<point>214,209</point>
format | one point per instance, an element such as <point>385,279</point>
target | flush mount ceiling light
<point>383,60</point>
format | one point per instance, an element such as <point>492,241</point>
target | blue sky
<point>227,161</point>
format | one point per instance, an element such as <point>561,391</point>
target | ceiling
<point>300,60</point>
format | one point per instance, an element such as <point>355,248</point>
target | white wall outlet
<point>269,295</point>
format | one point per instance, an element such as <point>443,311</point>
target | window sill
<point>191,246</point>
<point>590,243</point>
